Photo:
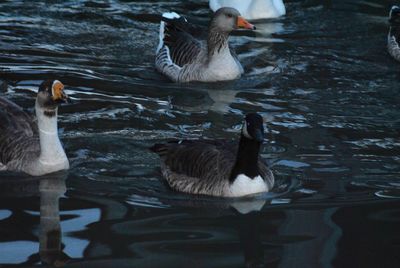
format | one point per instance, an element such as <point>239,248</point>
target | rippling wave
<point>321,78</point>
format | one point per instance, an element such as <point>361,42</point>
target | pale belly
<point>244,185</point>
<point>222,68</point>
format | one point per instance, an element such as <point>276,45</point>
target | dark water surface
<point>322,78</point>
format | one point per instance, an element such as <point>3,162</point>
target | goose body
<point>253,9</point>
<point>394,33</point>
<point>183,56</point>
<point>217,168</point>
<point>28,144</point>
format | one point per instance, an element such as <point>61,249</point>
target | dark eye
<point>229,15</point>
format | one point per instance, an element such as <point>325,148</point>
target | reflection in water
<point>332,106</point>
<point>249,226</point>
<point>321,233</point>
<point>49,189</point>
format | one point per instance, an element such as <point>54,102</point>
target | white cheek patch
<point>245,132</point>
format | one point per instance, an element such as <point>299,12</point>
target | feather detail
<point>182,57</point>
<point>203,167</point>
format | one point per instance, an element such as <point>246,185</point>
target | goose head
<point>50,95</point>
<point>253,127</point>
<point>227,19</point>
<point>394,16</point>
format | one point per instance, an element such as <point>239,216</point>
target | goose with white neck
<point>182,57</point>
<point>218,168</point>
<point>28,144</point>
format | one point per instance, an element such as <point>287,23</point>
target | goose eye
<point>229,15</point>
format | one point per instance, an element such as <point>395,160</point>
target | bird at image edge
<point>183,57</point>
<point>218,167</point>
<point>394,33</point>
<point>28,144</point>
<point>253,9</point>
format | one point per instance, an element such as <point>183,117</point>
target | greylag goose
<point>253,9</point>
<point>29,144</point>
<point>183,58</point>
<point>218,168</point>
<point>394,33</point>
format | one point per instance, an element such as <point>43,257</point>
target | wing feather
<point>18,132</point>
<point>201,167</point>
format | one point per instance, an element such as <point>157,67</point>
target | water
<point>321,77</point>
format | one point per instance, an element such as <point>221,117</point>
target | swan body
<point>253,9</point>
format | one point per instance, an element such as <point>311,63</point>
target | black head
<point>394,15</point>
<point>51,94</point>
<point>227,19</point>
<point>253,127</point>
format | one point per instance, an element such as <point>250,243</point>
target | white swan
<point>253,9</point>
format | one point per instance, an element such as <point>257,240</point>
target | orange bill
<point>57,91</point>
<point>242,23</point>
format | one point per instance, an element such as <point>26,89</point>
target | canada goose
<point>218,168</point>
<point>394,33</point>
<point>183,58</point>
<point>253,9</point>
<point>29,144</point>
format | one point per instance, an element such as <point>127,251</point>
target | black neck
<point>247,159</point>
<point>216,41</point>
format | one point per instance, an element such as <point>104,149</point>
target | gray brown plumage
<point>182,56</point>
<point>212,167</point>
<point>394,33</point>
<point>19,139</point>
<point>30,144</point>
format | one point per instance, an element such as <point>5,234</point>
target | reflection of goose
<point>182,57</point>
<point>253,9</point>
<point>394,33</point>
<point>51,190</point>
<point>32,145</point>
<point>218,168</point>
<point>222,100</point>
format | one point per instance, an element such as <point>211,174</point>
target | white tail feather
<point>167,15</point>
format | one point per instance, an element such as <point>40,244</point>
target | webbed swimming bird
<point>182,57</point>
<point>253,9</point>
<point>218,168</point>
<point>394,33</point>
<point>28,144</point>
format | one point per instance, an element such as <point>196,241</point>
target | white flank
<point>244,185</point>
<point>161,37</point>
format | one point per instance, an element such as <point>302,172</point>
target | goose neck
<point>247,158</point>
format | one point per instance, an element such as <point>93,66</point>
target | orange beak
<point>242,23</point>
<point>58,91</point>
